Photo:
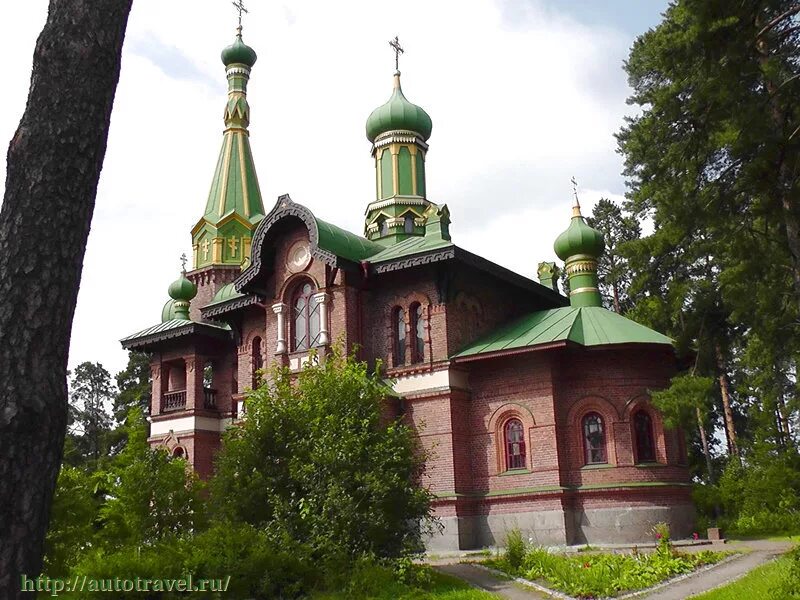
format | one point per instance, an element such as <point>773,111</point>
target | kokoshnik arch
<point>536,404</point>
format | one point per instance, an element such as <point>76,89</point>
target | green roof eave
<point>172,329</point>
<point>409,247</point>
<point>585,326</point>
<point>344,244</point>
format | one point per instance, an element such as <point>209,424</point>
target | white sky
<point>523,94</point>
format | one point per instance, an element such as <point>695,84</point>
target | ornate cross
<point>183,262</point>
<point>239,6</point>
<point>575,188</point>
<point>233,243</point>
<point>205,249</point>
<point>398,50</point>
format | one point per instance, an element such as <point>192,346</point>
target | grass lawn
<point>758,583</point>
<point>438,587</point>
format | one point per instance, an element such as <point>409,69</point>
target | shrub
<point>790,587</point>
<point>316,460</point>
<point>515,548</point>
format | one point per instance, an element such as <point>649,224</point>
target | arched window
<point>408,223</point>
<point>257,362</point>
<point>399,325</point>
<point>514,444</point>
<point>306,319</point>
<point>383,226</point>
<point>643,436</point>
<point>178,452</point>
<point>417,333</point>
<point>594,439</point>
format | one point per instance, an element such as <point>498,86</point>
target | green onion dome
<point>579,238</point>
<point>239,53</point>
<point>182,289</point>
<point>168,312</point>
<point>398,113</point>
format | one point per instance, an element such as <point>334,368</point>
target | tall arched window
<point>417,333</point>
<point>306,319</point>
<point>594,439</point>
<point>399,325</point>
<point>257,362</point>
<point>643,436</point>
<point>408,223</point>
<point>514,444</point>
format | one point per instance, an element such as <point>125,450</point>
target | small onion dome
<point>398,113</point>
<point>579,238</point>
<point>168,312</point>
<point>182,289</point>
<point>226,292</point>
<point>239,53</point>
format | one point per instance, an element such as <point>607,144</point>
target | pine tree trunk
<point>615,288</point>
<point>730,432</point>
<point>704,442</point>
<point>54,162</point>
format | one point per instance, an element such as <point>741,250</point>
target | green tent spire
<point>579,247</point>
<point>234,206</point>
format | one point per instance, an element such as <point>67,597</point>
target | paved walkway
<point>760,551</point>
<point>484,580</point>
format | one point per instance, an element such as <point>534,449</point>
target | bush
<point>515,548</point>
<point>315,460</point>
<point>790,587</point>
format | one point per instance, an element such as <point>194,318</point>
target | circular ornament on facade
<point>299,257</point>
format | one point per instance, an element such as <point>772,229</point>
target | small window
<point>383,226</point>
<point>399,321</point>
<point>178,453</point>
<point>594,439</point>
<point>643,433</point>
<point>306,318</point>
<point>418,333</point>
<point>515,444</point>
<point>257,362</point>
<point>408,223</point>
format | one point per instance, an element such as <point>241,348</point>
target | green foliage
<point>679,402</point>
<point>613,271</point>
<point>601,575</point>
<point>762,496</point>
<point>515,548</point>
<point>72,520</point>
<point>149,495</point>
<point>91,393</point>
<point>316,460</point>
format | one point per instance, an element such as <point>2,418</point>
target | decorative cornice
<point>581,266</point>
<point>221,308</point>
<point>398,136</point>
<point>416,260</point>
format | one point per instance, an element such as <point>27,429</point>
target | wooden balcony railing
<point>175,400</point>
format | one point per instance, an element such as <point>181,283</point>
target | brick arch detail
<point>641,402</point>
<point>497,424</point>
<point>594,404</point>
<point>291,283</point>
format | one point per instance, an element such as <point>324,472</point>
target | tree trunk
<point>730,432</point>
<point>615,290</point>
<point>784,172</point>
<point>704,441</point>
<point>54,162</point>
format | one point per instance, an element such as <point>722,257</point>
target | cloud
<point>521,99</point>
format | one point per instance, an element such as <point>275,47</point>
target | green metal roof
<point>409,247</point>
<point>344,244</point>
<point>587,326</point>
<point>225,293</point>
<point>172,329</point>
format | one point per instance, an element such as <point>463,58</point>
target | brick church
<point>536,404</point>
